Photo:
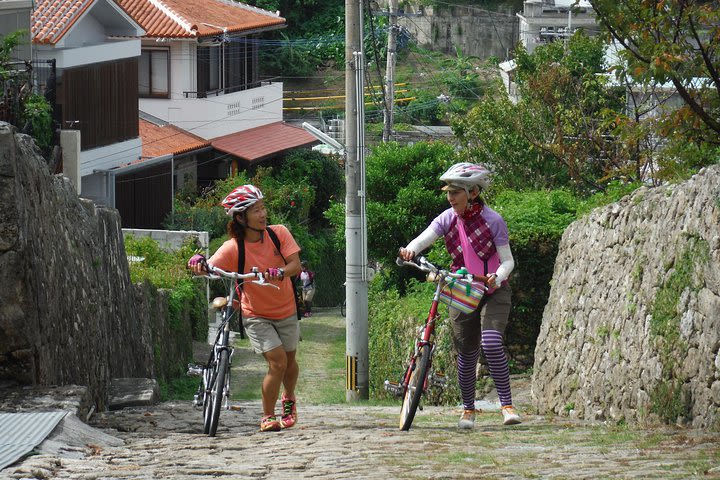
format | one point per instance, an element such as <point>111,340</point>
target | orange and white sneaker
<point>510,416</point>
<point>269,423</point>
<point>467,420</point>
<point>289,415</point>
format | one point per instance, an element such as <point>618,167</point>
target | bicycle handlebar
<point>422,264</point>
<point>215,273</point>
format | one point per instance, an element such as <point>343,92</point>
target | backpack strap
<point>276,241</point>
<point>239,283</point>
<point>241,258</point>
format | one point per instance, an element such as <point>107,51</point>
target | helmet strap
<point>243,223</point>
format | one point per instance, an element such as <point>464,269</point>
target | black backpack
<point>276,242</point>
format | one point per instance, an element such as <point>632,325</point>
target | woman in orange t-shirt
<point>269,316</point>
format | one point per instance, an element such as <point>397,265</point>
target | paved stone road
<point>363,442</point>
<point>339,442</point>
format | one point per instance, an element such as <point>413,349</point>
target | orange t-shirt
<point>258,301</point>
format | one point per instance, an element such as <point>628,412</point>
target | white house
<point>94,45</point>
<point>206,112</point>
<point>199,65</point>
<point>548,20</point>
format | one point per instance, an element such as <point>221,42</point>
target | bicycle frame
<point>214,390</point>
<point>425,337</point>
<point>417,377</point>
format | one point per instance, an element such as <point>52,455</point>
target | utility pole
<point>390,71</point>
<point>356,289</point>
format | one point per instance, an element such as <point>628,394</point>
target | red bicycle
<point>418,376</point>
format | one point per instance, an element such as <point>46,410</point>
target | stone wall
<point>68,312</point>
<point>631,331</point>
<point>474,31</point>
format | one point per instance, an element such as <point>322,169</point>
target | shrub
<point>394,323</point>
<point>167,270</point>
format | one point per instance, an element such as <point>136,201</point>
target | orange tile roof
<point>53,18</point>
<point>261,142</point>
<point>168,139</point>
<point>196,18</point>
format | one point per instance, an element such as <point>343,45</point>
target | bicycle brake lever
<point>264,283</point>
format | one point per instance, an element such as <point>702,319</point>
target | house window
<point>226,67</point>
<point>154,73</point>
<point>213,68</point>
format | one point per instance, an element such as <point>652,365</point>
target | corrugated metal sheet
<point>21,432</point>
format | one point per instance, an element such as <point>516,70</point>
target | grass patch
<point>321,356</point>
<point>181,388</point>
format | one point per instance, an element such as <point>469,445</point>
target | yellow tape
<point>350,372</point>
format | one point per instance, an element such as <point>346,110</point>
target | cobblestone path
<point>363,442</point>
<point>359,442</point>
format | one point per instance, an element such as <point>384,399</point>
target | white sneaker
<point>467,420</point>
<point>510,417</point>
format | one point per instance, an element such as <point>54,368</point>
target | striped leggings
<point>492,345</point>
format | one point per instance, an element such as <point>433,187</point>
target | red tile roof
<point>261,142</point>
<point>158,141</point>
<point>53,18</point>
<point>196,18</point>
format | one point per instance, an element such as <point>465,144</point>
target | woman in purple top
<point>476,238</point>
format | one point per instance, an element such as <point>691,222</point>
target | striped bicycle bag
<point>462,295</point>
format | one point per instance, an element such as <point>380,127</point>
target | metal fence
<point>18,80</point>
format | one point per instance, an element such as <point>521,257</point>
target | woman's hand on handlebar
<point>487,280</point>
<point>274,274</point>
<point>406,254</point>
<point>198,264</point>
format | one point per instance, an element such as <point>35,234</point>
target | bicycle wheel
<point>342,308</point>
<point>207,387</point>
<point>216,394</point>
<point>414,390</point>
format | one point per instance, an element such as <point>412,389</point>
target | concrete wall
<point>171,239</point>
<point>474,31</point>
<point>631,331</point>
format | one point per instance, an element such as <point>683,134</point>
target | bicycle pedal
<point>195,370</point>
<point>438,380</point>
<point>393,387</point>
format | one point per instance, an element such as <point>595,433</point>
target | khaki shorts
<point>492,314</point>
<point>265,334</point>
<point>307,295</point>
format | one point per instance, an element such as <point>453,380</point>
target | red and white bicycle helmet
<point>241,198</point>
<point>467,175</point>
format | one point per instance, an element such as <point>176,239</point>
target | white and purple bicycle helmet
<point>466,175</point>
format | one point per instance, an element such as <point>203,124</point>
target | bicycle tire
<point>343,308</point>
<point>216,396</point>
<point>207,388</point>
<point>414,389</point>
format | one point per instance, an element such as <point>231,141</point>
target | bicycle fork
<point>205,372</point>
<point>432,380</point>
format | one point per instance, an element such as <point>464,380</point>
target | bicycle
<point>214,388</point>
<point>418,377</point>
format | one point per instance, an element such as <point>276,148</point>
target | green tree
<point>403,196</point>
<point>676,41</point>
<point>557,134</point>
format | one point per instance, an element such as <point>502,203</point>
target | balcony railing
<point>232,89</point>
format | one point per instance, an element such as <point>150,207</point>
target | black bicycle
<point>214,390</point>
